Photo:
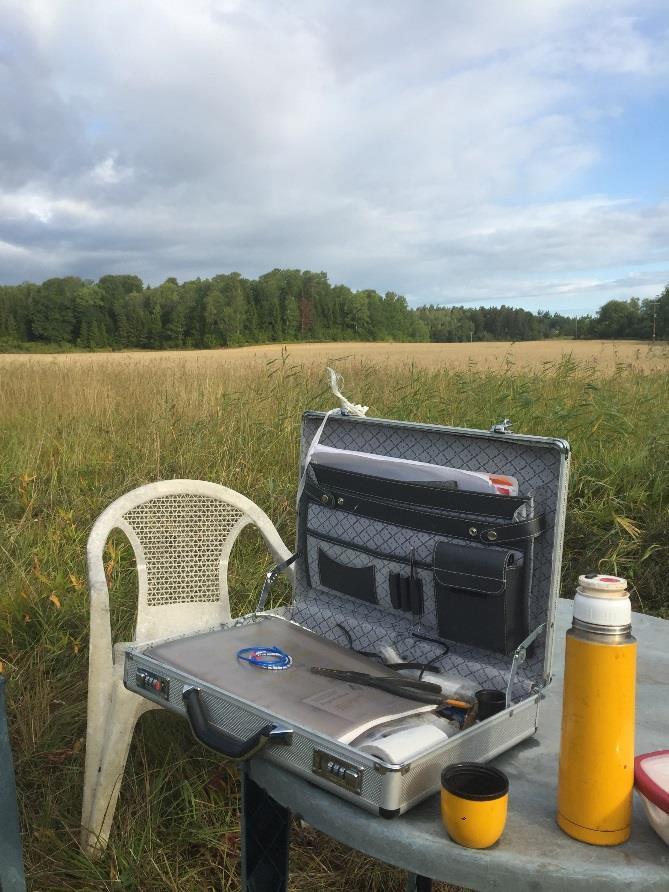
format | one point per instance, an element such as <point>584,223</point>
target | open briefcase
<point>395,554</point>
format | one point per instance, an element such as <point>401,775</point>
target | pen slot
<point>394,583</point>
<point>416,596</point>
<point>406,593</point>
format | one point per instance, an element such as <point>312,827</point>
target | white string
<point>347,408</point>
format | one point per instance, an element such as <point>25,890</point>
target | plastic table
<point>12,878</point>
<point>533,854</point>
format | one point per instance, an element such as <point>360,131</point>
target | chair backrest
<point>182,533</point>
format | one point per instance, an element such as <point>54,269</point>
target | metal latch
<point>281,735</point>
<point>502,427</point>
<point>338,771</point>
<point>271,578</point>
<point>519,657</point>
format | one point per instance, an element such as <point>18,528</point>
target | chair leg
<point>101,683</point>
<point>124,710</point>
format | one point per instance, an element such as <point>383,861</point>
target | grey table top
<point>533,853</point>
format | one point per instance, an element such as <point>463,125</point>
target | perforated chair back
<point>182,533</point>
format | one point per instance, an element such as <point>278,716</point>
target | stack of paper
<point>414,471</point>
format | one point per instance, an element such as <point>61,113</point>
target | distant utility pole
<point>654,316</point>
<point>576,332</point>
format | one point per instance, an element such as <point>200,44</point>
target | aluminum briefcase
<point>462,580</point>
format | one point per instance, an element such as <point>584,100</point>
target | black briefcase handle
<point>228,746</point>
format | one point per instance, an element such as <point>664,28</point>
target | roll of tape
<point>404,745</point>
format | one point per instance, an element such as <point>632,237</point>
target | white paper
<point>353,703</point>
<point>412,471</point>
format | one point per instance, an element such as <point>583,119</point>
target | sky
<point>457,153</point>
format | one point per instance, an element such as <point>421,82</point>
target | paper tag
<point>340,701</point>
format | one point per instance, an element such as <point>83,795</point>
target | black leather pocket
<point>443,512</point>
<point>435,495</point>
<point>356,582</point>
<point>480,596</point>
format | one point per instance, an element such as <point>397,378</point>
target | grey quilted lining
<point>383,568</point>
<point>537,469</point>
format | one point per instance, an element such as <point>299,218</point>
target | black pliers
<point>411,689</point>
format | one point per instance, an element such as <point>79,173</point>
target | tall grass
<point>73,438</point>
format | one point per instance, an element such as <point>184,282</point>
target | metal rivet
<point>325,499</point>
<point>491,535</point>
<point>473,531</point>
<point>340,501</point>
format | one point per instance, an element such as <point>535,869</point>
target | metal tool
<point>411,689</point>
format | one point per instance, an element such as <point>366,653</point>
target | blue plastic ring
<point>254,655</point>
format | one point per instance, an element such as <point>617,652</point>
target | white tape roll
<point>402,746</point>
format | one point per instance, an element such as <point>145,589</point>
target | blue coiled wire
<point>265,657</point>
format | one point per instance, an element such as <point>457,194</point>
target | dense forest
<point>119,312</point>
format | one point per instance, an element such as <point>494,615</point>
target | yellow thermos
<point>596,774</point>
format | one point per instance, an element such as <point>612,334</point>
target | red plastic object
<point>655,790</point>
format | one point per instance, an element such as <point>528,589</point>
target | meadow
<point>76,431</point>
<point>602,356</point>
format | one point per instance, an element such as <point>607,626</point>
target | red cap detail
<point>658,795</point>
<point>609,579</point>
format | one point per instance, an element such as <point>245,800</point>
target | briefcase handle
<point>228,746</point>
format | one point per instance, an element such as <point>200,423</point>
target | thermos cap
<point>595,585</point>
<point>611,612</point>
<point>602,601</point>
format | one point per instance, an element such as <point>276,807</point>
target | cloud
<point>107,172</point>
<point>425,148</point>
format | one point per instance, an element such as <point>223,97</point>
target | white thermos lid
<point>602,600</point>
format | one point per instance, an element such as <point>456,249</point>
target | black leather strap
<point>439,496</point>
<point>425,520</point>
<point>513,532</point>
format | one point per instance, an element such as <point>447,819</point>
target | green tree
<point>234,310</point>
<point>291,317</point>
<point>289,304</point>
<point>655,312</point>
<point>90,317</point>
<point>54,318</point>
<point>619,319</point>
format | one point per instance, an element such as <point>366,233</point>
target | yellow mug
<point>474,800</point>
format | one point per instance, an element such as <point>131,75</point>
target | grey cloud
<point>41,133</point>
<point>411,147</point>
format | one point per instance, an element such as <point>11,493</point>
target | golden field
<point>603,356</point>
<point>78,430</point>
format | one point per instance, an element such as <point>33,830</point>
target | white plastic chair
<point>182,533</point>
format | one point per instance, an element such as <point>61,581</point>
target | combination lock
<point>337,770</point>
<point>156,683</point>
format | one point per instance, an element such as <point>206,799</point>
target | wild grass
<point>73,437</point>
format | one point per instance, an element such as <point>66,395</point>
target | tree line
<point>633,318</point>
<point>120,312</point>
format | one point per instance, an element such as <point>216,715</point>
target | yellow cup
<point>474,800</point>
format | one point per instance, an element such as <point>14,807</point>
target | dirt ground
<point>604,356</point>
